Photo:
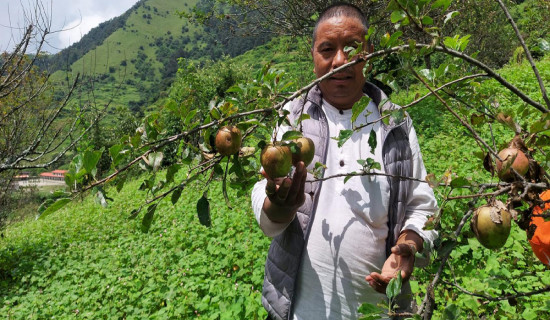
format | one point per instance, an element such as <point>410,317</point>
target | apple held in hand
<point>304,150</point>
<point>276,160</point>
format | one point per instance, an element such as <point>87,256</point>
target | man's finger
<point>377,281</point>
<point>270,188</point>
<point>296,181</point>
<point>404,250</point>
<point>282,193</point>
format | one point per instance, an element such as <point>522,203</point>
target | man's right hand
<point>285,195</point>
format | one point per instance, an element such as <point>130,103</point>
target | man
<point>336,244</point>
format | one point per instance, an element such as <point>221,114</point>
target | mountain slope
<point>134,63</point>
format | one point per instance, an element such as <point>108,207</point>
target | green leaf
<point>203,210</point>
<point>291,135</point>
<point>44,206</point>
<point>428,21</point>
<point>398,115</point>
<point>54,207</point>
<point>397,16</point>
<point>215,113</point>
<point>451,312</point>
<point>347,178</point>
<point>120,182</point>
<point>244,125</point>
<point>441,3</point>
<point>190,116</point>
<point>359,107</point>
<point>367,309</point>
<point>228,108</point>
<point>302,117</point>
<point>343,137</point>
<point>148,218</point>
<point>446,247</point>
<point>373,142</point>
<point>176,195</point>
<point>394,286</point>
<point>171,172</point>
<point>392,41</point>
<point>369,33</point>
<point>115,153</point>
<point>90,160</point>
<point>60,194</point>
<point>224,187</point>
<point>459,182</point>
<point>477,119</point>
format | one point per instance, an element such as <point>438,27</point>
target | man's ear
<point>312,59</point>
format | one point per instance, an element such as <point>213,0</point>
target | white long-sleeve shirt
<point>349,230</point>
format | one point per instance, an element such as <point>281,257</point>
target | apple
<point>305,150</point>
<point>491,225</point>
<point>520,164</point>
<point>276,160</point>
<point>228,140</point>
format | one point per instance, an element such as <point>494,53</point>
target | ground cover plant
<point>92,262</point>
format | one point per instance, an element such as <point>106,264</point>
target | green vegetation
<point>88,261</point>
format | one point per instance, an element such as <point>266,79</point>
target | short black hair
<point>340,9</point>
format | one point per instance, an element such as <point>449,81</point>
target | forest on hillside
<point>154,219</point>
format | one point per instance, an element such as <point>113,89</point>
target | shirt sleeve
<point>270,228</point>
<point>422,203</point>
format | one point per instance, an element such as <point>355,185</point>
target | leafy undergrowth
<point>86,261</point>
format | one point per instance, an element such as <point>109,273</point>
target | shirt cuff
<point>270,228</point>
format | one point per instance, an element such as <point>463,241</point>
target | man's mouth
<point>341,77</point>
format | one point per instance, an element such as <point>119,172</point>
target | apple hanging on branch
<point>491,225</point>
<point>228,140</point>
<point>512,158</point>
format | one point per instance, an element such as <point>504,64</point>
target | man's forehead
<point>349,25</point>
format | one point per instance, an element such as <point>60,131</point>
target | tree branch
<point>527,53</point>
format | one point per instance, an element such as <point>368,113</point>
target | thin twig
<point>527,52</point>
<point>500,298</point>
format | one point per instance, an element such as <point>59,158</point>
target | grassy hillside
<point>134,64</point>
<point>129,57</point>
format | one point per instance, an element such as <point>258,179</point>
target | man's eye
<point>326,49</point>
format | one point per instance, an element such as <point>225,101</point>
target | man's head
<point>339,26</point>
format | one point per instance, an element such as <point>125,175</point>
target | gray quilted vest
<point>285,253</point>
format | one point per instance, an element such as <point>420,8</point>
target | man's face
<point>344,88</point>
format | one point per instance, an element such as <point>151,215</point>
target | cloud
<point>76,17</point>
<point>78,28</point>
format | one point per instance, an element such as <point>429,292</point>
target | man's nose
<point>340,59</point>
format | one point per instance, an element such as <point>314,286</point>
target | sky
<point>71,19</point>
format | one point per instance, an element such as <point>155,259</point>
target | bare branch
<point>499,298</point>
<point>527,53</point>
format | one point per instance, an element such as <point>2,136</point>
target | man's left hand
<point>401,258</point>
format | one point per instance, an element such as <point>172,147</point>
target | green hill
<point>133,58</point>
